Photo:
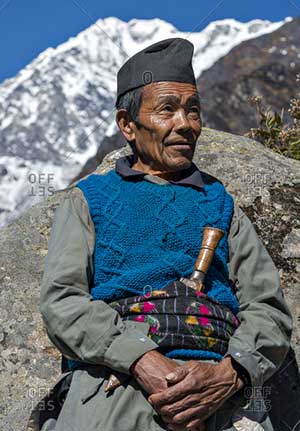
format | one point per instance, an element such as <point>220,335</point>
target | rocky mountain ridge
<point>266,66</point>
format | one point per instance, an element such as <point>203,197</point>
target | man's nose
<point>181,121</point>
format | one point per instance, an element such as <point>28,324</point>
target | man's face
<point>170,126</point>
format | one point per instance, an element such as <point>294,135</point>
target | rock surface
<point>265,185</point>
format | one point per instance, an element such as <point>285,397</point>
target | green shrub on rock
<point>272,132</point>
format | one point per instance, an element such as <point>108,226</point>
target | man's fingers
<point>185,417</point>
<point>202,400</point>
<point>174,393</point>
<point>170,410</point>
<point>177,375</point>
<point>200,411</point>
<point>196,425</point>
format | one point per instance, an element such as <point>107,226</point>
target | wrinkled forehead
<point>175,91</point>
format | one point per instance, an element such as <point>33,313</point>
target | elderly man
<point>120,238</point>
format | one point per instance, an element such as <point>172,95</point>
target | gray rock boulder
<point>266,186</point>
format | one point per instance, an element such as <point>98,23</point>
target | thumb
<point>177,375</point>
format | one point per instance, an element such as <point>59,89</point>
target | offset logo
<point>40,184</point>
<point>147,77</point>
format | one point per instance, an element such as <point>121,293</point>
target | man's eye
<point>167,108</point>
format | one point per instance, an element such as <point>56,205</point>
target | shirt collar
<point>191,176</point>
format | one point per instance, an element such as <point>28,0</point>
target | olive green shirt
<point>93,332</point>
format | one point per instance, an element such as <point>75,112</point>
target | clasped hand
<point>188,395</point>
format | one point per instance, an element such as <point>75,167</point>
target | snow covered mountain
<point>56,112</point>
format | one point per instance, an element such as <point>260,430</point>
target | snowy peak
<point>219,37</point>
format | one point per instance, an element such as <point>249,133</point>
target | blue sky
<point>28,27</point>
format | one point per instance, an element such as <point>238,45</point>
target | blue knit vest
<point>148,234</point>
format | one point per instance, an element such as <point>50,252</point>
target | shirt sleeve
<point>262,340</point>
<point>80,327</point>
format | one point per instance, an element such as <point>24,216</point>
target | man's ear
<point>126,125</point>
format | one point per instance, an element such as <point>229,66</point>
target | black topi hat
<point>167,60</point>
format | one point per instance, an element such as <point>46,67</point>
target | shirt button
<point>142,339</point>
<point>238,354</point>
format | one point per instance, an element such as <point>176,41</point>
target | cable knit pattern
<point>148,235</point>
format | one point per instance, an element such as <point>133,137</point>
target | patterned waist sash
<point>181,318</point>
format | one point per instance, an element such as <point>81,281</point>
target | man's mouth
<point>181,144</point>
